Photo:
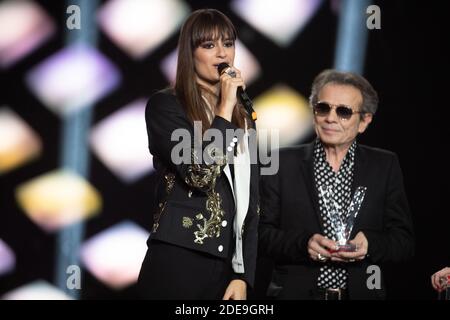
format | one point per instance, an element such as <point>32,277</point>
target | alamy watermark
<point>374,279</point>
<point>74,20</point>
<point>374,17</point>
<point>74,277</point>
<point>188,145</point>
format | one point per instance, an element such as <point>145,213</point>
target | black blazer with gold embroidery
<point>195,201</point>
<point>290,216</point>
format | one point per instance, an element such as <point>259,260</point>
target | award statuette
<point>444,292</point>
<point>342,222</point>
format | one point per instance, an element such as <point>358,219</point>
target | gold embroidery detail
<point>190,193</point>
<point>204,176</point>
<point>211,227</point>
<point>187,222</point>
<point>170,182</point>
<point>199,216</point>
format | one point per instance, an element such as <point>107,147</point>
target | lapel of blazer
<point>307,169</point>
<point>360,178</point>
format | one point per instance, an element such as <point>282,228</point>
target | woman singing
<point>204,238</point>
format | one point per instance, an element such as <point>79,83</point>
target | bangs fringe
<point>212,29</point>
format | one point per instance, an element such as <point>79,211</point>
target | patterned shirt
<point>333,275</point>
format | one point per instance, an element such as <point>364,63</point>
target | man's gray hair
<point>369,95</point>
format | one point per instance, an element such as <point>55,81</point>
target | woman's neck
<point>210,93</point>
<point>212,88</point>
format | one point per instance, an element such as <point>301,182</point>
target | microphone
<point>248,104</point>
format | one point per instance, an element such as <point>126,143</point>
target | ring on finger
<point>321,257</point>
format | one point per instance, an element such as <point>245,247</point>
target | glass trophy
<point>342,221</point>
<point>444,293</point>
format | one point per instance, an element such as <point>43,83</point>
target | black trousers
<point>176,273</point>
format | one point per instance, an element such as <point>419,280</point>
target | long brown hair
<point>202,25</point>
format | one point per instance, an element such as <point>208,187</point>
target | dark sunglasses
<point>324,108</point>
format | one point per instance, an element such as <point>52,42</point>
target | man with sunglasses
<point>298,222</point>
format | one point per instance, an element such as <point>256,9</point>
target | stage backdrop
<point>76,177</point>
